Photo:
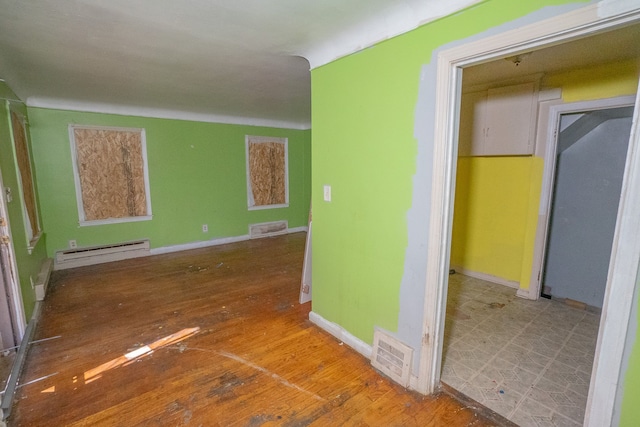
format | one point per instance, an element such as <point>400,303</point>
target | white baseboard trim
<point>521,293</point>
<point>212,242</point>
<point>342,334</point>
<point>159,113</point>
<point>166,250</point>
<point>118,256</point>
<point>526,294</point>
<point>298,229</point>
<point>355,343</point>
<point>197,245</point>
<point>42,281</point>
<point>487,277</point>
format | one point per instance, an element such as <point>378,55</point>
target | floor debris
<point>273,375</point>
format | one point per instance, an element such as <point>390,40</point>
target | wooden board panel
<point>26,177</point>
<point>267,172</point>
<point>111,171</point>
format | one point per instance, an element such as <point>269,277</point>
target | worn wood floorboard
<point>255,361</point>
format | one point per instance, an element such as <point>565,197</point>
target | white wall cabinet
<point>498,121</point>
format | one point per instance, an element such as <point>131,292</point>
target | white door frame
<point>625,258</point>
<point>13,280</point>
<point>546,147</point>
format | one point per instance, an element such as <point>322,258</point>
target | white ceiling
<point>212,60</point>
<point>610,46</point>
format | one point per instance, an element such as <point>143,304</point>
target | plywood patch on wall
<point>26,178</point>
<point>111,177</point>
<point>267,172</point>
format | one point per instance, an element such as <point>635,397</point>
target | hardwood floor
<point>254,359</point>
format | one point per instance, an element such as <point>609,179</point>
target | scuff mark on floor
<point>225,390</point>
<point>265,371</point>
<point>273,375</point>
<point>186,418</point>
<point>258,420</point>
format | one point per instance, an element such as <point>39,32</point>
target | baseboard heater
<point>79,257</point>
<point>267,229</point>
<point>42,281</point>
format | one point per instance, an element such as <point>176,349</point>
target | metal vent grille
<point>266,229</point>
<point>392,357</point>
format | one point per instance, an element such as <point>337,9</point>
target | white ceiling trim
<point>389,23</point>
<point>159,113</point>
<point>215,60</point>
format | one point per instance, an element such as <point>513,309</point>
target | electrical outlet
<point>327,193</point>
<point>73,244</point>
<point>205,228</point>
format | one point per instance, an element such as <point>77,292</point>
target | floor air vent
<point>267,229</point>
<point>392,357</point>
<point>78,257</point>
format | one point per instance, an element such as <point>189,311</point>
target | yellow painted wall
<point>603,81</point>
<point>531,220</point>
<point>497,198</point>
<point>492,210</point>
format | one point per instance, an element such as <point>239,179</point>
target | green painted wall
<point>363,115</point>
<point>197,176</point>
<point>28,264</point>
<point>360,237</point>
<point>366,110</point>
<point>630,411</point>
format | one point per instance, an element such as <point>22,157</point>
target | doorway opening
<point>590,154</point>
<point>625,254</point>
<point>525,359</point>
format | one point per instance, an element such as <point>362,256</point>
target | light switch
<point>327,193</point>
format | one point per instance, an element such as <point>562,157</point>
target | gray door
<point>591,154</point>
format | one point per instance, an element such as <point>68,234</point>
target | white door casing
<point>625,259</point>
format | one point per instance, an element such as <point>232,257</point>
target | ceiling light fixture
<point>517,59</point>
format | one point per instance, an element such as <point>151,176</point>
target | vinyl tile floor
<point>529,361</point>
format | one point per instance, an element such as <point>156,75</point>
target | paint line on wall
<point>159,113</point>
<point>387,24</point>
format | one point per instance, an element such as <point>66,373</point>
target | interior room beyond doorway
<point>530,361</point>
<point>505,352</point>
